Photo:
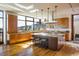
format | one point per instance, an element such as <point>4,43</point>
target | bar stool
<point>44,42</point>
<point>36,40</point>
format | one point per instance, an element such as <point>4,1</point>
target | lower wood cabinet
<point>19,37</point>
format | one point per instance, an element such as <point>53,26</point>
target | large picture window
<point>1,25</point>
<point>29,26</point>
<point>36,24</point>
<point>29,23</point>
<point>29,18</point>
<point>26,23</point>
<point>1,14</point>
<point>21,23</point>
<point>21,17</point>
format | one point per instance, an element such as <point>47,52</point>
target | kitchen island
<point>46,40</point>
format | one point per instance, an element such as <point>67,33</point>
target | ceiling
<point>14,8</point>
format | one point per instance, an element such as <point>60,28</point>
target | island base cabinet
<point>53,43</point>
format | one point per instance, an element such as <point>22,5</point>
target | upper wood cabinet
<point>63,22</point>
<point>12,23</point>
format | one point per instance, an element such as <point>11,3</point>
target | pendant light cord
<point>55,11</point>
<point>48,15</point>
<point>71,7</point>
<point>42,13</point>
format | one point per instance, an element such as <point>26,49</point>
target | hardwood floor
<point>28,49</point>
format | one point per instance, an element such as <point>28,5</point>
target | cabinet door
<point>53,43</point>
<point>12,23</point>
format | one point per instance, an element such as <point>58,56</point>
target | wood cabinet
<point>66,36</point>
<point>19,37</point>
<point>63,22</point>
<point>12,23</point>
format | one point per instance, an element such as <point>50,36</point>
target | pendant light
<point>36,15</point>
<point>47,20</point>
<point>55,11</point>
<point>53,14</point>
<point>48,15</point>
<point>42,13</point>
<point>71,7</point>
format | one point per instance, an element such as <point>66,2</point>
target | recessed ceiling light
<point>32,11</point>
<point>28,7</point>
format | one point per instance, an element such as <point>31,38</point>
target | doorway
<point>75,28</point>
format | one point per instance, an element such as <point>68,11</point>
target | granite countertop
<point>48,34</point>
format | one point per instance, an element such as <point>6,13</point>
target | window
<point>1,14</point>
<point>1,28</point>
<point>36,20</point>
<point>29,18</point>
<point>1,21</point>
<point>29,26</point>
<point>43,20</point>
<point>21,17</point>
<point>21,23</point>
<point>29,23</point>
<point>1,25</point>
<point>37,24</point>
